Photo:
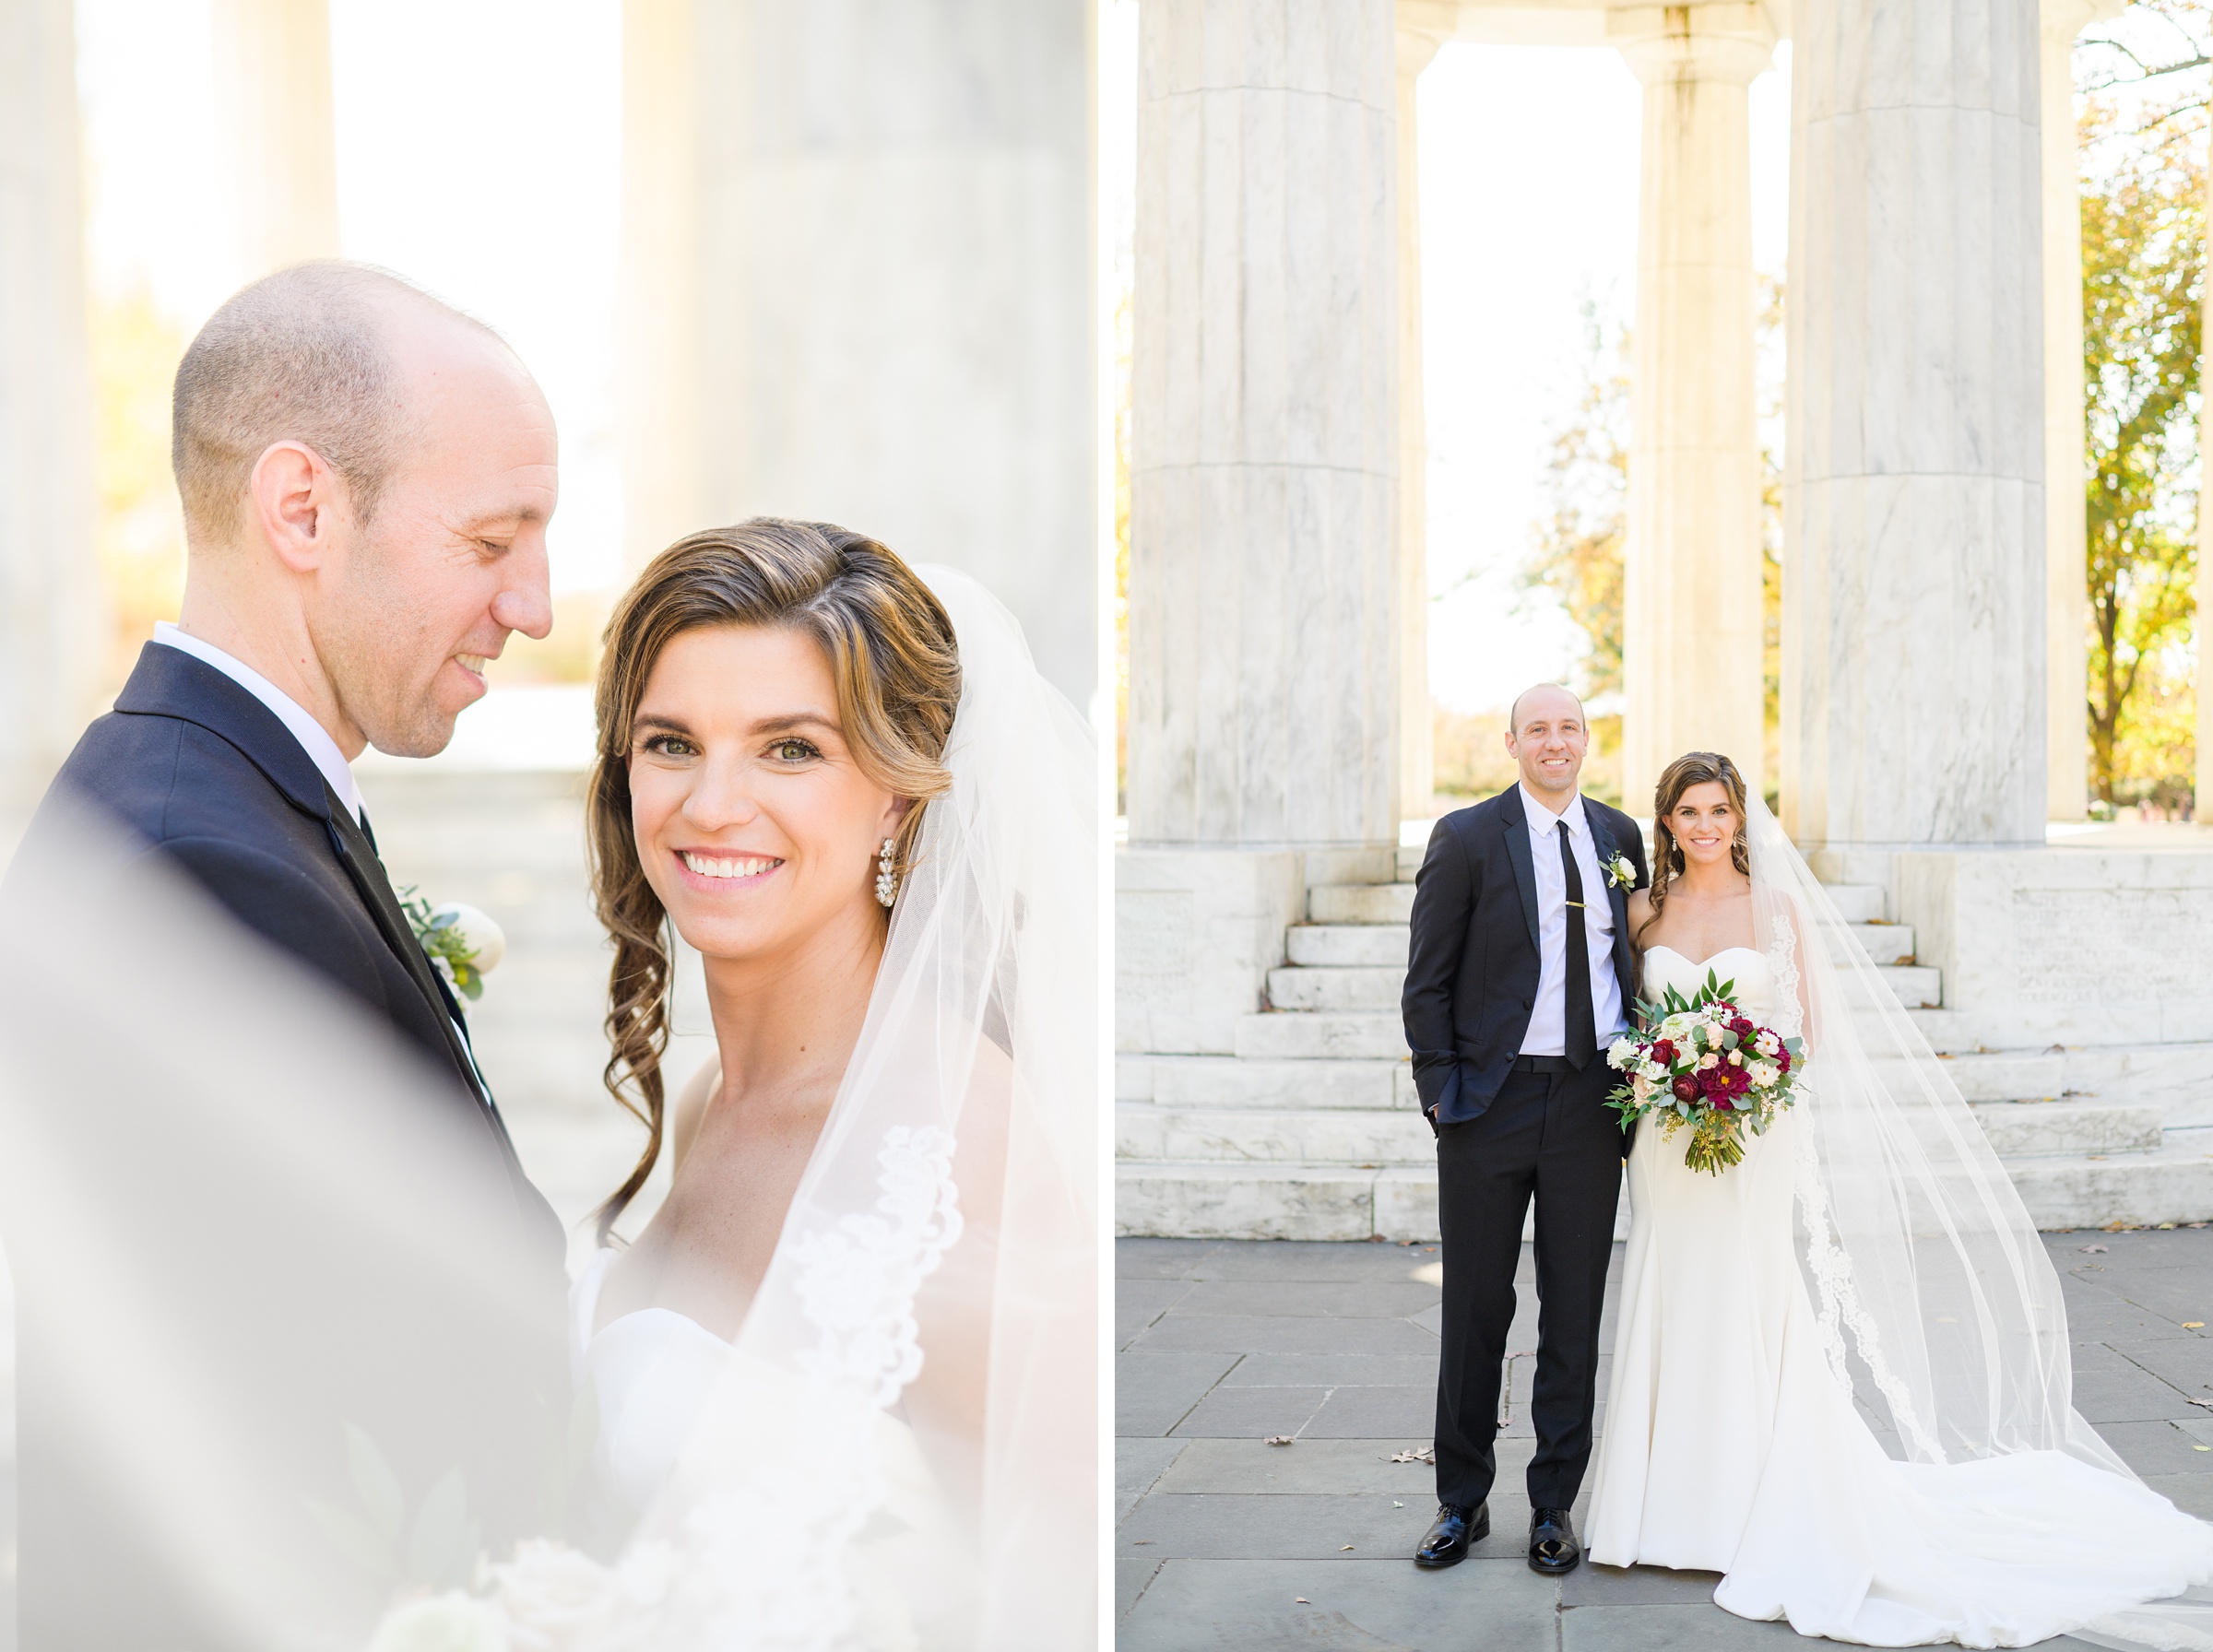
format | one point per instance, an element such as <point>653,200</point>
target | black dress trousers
<point>1551,1136</point>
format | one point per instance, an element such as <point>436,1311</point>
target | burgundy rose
<point>1743,1028</point>
<point>1686,1088</point>
<point>1783,1060</point>
<point>1663,1052</point>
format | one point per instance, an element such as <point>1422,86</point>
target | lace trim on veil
<point>1839,1307</point>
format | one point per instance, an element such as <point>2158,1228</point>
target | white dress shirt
<point>314,740</point>
<point>1548,1034</point>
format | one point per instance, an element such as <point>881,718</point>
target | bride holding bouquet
<point>1841,1372</point>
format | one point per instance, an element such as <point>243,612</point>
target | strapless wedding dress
<point>655,1374</point>
<point>1730,1447</point>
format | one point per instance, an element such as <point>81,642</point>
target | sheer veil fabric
<point>939,1263</point>
<point>1934,1295</point>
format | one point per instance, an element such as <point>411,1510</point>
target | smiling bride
<point>1841,1372</point>
<point>846,1376</point>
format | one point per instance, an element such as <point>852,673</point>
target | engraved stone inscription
<point>2104,946</point>
<point>1152,944</point>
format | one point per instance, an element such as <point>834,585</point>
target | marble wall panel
<point>2071,947</point>
<point>1196,933</point>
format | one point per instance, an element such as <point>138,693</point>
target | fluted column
<point>51,632</point>
<point>1265,586</point>
<point>1914,638</point>
<point>863,287</point>
<point>273,103</point>
<point>1417,45</point>
<point>1693,627</point>
<point>2066,529</point>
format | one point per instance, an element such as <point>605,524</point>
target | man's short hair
<point>1513,712</point>
<point>302,356</point>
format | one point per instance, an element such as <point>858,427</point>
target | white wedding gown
<point>654,1373</point>
<point>1729,1447</point>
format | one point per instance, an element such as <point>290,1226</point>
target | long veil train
<point>1934,1298</point>
<point>900,1450</point>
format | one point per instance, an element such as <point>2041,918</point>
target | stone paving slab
<point>1360,1606</point>
<point>1220,1534</point>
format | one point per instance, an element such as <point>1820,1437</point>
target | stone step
<point>1332,1036</point>
<point>2044,1130</point>
<point>1359,902</point>
<point>1410,859</point>
<point>2173,1184</point>
<point>1918,986</point>
<point>1201,1200</point>
<point>1331,987</point>
<point>1884,943</point>
<point>1198,1201</point>
<point>2001,1075</point>
<point>1354,944</point>
<point>1860,902</point>
<point>1361,1138</point>
<point>1232,1082</point>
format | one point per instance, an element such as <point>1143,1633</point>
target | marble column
<point>1914,639</point>
<point>860,244</point>
<point>273,102</point>
<point>1693,626</point>
<point>51,612</point>
<point>1418,43</point>
<point>1265,585</point>
<point>2066,532</point>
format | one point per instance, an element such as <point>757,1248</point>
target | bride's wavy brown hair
<point>1693,767</point>
<point>890,649</point>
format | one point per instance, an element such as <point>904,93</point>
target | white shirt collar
<point>1541,817</point>
<point>314,740</point>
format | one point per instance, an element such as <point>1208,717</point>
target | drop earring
<point>887,880</point>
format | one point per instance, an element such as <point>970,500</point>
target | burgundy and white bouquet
<point>1702,1062</point>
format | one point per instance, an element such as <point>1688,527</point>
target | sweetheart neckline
<point>1700,963</point>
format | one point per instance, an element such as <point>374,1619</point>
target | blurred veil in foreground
<point>279,1352</point>
<point>287,1380</point>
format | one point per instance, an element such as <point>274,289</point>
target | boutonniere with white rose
<point>1621,872</point>
<point>462,942</point>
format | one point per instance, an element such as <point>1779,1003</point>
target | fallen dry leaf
<point>1342,1547</point>
<point>2091,1248</point>
<point>2193,1325</point>
<point>1279,1439</point>
<point>1300,1600</point>
<point>2202,1447</point>
<point>1417,1454</point>
<point>1396,1504</point>
<point>2207,1403</point>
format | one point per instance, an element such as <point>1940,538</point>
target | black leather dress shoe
<point>1457,1526</point>
<point>1551,1546</point>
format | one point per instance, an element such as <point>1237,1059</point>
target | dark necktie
<point>1582,1034</point>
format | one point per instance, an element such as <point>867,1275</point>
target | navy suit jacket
<point>1472,960</point>
<point>203,776</point>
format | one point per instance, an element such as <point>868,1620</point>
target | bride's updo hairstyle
<point>1693,767</point>
<point>890,649</point>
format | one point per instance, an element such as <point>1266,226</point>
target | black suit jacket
<point>203,777</point>
<point>1473,961</point>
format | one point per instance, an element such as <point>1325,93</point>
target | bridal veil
<point>1936,1300</point>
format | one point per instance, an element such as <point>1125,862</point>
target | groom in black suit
<point>366,477</point>
<point>1518,975</point>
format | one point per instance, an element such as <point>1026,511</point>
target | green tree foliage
<point>2143,243</point>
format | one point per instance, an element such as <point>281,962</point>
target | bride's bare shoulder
<point>1641,910</point>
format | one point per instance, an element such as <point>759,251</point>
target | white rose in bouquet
<point>449,1622</point>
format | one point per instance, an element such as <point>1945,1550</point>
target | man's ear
<point>292,497</point>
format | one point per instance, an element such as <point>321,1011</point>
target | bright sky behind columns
<point>1529,168</point>
<point>478,147</point>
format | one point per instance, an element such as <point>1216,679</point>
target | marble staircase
<point>1310,1128</point>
